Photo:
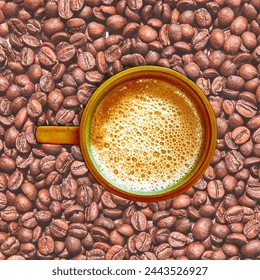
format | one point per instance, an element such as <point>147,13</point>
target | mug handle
<point>68,135</point>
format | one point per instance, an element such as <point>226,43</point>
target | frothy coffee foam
<point>146,135</point>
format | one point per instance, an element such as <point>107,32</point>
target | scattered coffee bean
<point>50,205</point>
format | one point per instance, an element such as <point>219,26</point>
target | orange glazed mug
<point>126,81</point>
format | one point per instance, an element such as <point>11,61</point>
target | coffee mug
<point>194,108</point>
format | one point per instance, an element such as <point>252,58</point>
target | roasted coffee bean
<point>64,9</point>
<point>25,235</point>
<point>116,239</point>
<point>78,168</point>
<point>94,77</point>
<point>234,161</point>
<point>251,249</point>
<point>201,229</point>
<point>73,245</point>
<point>107,200</point>
<point>159,236</point>
<point>256,136</point>
<point>147,33</point>
<point>99,233</point>
<point>194,250</point>
<point>28,250</point>
<point>46,56</point>
<point>3,182</point>
<point>167,222</point>
<point>34,108</point>
<point>10,136</point>
<point>232,44</point>
<point>252,228</point>
<point>78,230</point>
<point>163,251</point>
<point>28,220</point>
<point>216,189</point>
<point>86,61</point>
<point>248,71</point>
<point>235,120</point>
<point>193,213</point>
<point>46,245</point>
<point>200,40</point>
<point>76,5</point>
<point>3,201</point>
<point>177,240</point>
<point>7,164</point>
<point>237,239</point>
<point>183,225</point>
<point>229,142</point>
<point>22,203</point>
<point>84,195</point>
<point>125,229</point>
<point>101,62</point>
<point>21,144</point>
<point>253,190</point>
<point>59,228</point>
<point>225,16</point>
<point>230,250</point>
<point>91,212</point>
<point>95,29</point>
<point>159,215</point>
<point>229,201</point>
<point>43,216</point>
<point>182,201</point>
<point>143,242</point>
<point>135,4</point>
<point>217,85</point>
<point>133,60</point>
<point>139,221</point>
<point>240,135</point>
<point>203,17</point>
<point>115,22</point>
<point>96,254</point>
<point>63,162</point>
<point>47,164</point>
<point>218,255</point>
<point>234,83</point>
<point>105,223</point>
<point>10,246</point>
<point>234,214</point>
<point>52,26</point>
<point>239,25</point>
<point>47,83</point>
<point>207,211</point>
<point>69,188</point>
<point>249,40</point>
<point>113,53</point>
<point>192,70</point>
<point>116,252</point>
<point>4,84</point>
<point>66,53</point>
<point>202,60</point>
<point>246,109</point>
<point>55,99</point>
<point>217,38</point>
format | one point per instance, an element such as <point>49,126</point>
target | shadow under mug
<point>80,135</point>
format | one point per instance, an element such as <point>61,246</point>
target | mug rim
<point>174,189</point>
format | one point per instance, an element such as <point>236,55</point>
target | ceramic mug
<point>80,135</point>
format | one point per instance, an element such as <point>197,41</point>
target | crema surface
<point>146,135</point>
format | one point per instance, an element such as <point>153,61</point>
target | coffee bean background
<point>53,55</point>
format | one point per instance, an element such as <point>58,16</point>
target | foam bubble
<point>146,135</point>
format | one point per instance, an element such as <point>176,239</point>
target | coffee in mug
<point>146,134</point>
